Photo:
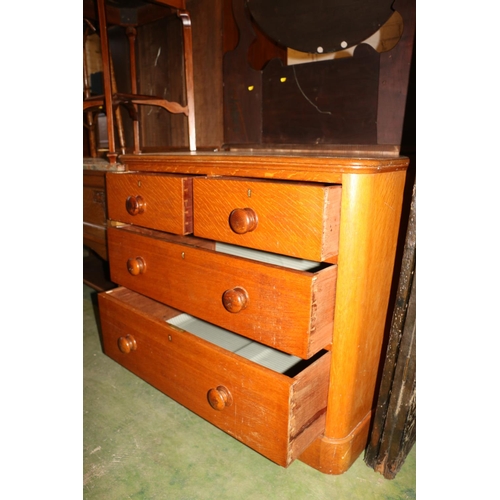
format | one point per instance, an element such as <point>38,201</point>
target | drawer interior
<point>277,361</point>
<point>273,359</point>
<point>269,258</point>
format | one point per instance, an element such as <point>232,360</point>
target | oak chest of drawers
<point>254,291</point>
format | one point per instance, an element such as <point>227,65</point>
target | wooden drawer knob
<point>219,398</point>
<point>235,300</point>
<point>136,266</point>
<point>135,205</point>
<point>243,220</point>
<point>127,344</point>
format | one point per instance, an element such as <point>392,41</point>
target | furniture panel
<point>335,314</point>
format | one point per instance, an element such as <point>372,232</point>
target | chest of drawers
<point>254,291</point>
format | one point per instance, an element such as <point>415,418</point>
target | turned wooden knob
<point>235,300</point>
<point>135,205</point>
<point>243,220</point>
<point>136,266</point>
<point>219,398</point>
<point>127,344</point>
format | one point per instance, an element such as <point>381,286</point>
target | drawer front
<point>286,309</point>
<point>276,415</point>
<point>295,219</point>
<point>158,201</point>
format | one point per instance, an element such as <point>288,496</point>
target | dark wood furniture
<point>130,14</point>
<point>342,213</point>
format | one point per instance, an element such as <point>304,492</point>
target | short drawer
<point>276,414</point>
<point>157,201</point>
<point>283,308</point>
<point>291,218</point>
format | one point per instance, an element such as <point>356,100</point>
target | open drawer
<point>286,309</point>
<point>276,414</point>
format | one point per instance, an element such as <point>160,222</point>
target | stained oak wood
<point>276,415</point>
<point>372,191</point>
<point>286,309</point>
<point>299,220</point>
<point>161,202</point>
<point>283,165</point>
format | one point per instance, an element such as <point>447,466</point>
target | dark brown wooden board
<point>328,102</point>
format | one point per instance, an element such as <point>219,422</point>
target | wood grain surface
<point>286,165</point>
<point>287,309</point>
<point>276,415</point>
<point>295,219</point>
<point>167,200</point>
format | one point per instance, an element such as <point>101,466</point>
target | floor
<point>140,444</point>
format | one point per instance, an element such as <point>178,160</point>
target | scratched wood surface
<point>166,201</point>
<point>186,368</point>
<point>300,220</point>
<point>289,310</point>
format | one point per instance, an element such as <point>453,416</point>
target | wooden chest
<point>254,291</point>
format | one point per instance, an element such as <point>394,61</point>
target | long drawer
<point>297,219</point>
<point>276,414</point>
<point>286,309</point>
